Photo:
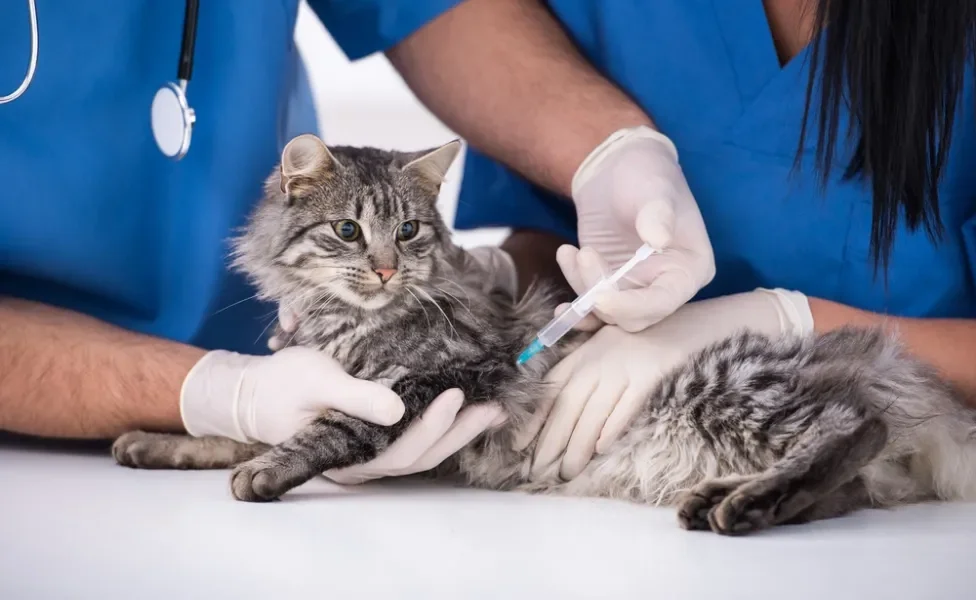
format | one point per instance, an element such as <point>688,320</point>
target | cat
<point>750,432</point>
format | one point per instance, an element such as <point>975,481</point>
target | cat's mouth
<point>373,296</point>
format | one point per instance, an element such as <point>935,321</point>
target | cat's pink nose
<point>385,274</point>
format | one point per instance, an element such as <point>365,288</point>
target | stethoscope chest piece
<point>172,120</point>
<point>172,117</point>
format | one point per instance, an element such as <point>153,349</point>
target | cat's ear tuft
<point>305,161</point>
<point>432,166</point>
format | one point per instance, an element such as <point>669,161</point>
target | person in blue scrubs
<point>727,83</point>
<point>117,310</point>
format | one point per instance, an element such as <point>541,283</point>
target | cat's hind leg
<point>143,450</point>
<point>809,481</point>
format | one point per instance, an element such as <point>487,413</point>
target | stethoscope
<point>172,117</point>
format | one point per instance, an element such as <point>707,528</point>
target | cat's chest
<point>335,338</point>
<point>363,350</point>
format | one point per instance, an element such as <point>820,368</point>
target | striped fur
<point>749,433</point>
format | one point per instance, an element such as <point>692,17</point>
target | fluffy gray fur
<point>749,433</point>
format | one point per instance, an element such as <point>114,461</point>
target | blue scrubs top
<point>92,216</point>
<point>708,74</point>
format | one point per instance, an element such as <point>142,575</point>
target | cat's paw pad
<point>134,449</point>
<point>739,514</point>
<point>257,481</point>
<point>694,507</point>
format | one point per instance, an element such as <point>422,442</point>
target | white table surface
<point>75,525</point>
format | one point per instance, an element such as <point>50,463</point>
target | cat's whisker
<point>235,304</point>
<point>462,304</point>
<point>463,291</point>
<point>422,307</point>
<point>438,307</point>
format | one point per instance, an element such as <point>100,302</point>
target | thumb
<point>655,224</point>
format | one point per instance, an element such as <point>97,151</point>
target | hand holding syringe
<point>580,308</point>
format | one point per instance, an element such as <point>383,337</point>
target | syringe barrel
<point>559,326</point>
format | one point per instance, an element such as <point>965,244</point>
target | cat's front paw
<point>139,450</point>
<point>258,480</point>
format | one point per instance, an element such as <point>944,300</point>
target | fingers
<point>287,319</point>
<point>419,437</point>
<point>328,386</point>
<point>565,414</point>
<point>275,343</point>
<point>556,379</point>
<point>638,309</point>
<point>288,322</point>
<point>589,323</point>
<point>623,414</point>
<point>566,259</point>
<point>655,224</point>
<point>583,269</point>
<point>470,423</point>
<point>582,444</point>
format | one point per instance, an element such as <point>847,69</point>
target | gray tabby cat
<point>749,433</point>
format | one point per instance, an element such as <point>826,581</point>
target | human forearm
<point>947,344</point>
<point>63,374</point>
<point>503,74</point>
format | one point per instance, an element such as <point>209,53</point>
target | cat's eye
<point>408,230</point>
<point>348,231</point>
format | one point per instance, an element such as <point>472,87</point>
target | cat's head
<point>358,225</point>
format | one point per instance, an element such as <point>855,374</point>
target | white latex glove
<point>605,382</point>
<point>268,398</point>
<point>631,190</point>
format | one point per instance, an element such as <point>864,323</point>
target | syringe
<point>582,306</point>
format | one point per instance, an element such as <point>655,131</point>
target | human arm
<point>585,419</point>
<point>506,76</point>
<point>949,345</point>
<point>64,374</point>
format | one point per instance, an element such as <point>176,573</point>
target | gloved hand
<point>605,382</point>
<point>631,190</point>
<point>268,398</point>
<point>439,433</point>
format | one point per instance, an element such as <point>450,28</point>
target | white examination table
<point>75,525</point>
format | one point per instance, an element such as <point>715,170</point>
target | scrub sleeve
<point>362,27</point>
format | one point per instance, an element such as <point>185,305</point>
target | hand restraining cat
<point>749,433</point>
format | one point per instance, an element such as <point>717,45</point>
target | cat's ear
<point>431,167</point>
<point>305,161</point>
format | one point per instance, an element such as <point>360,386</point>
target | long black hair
<point>899,67</point>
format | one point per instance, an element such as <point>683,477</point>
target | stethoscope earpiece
<point>172,117</point>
